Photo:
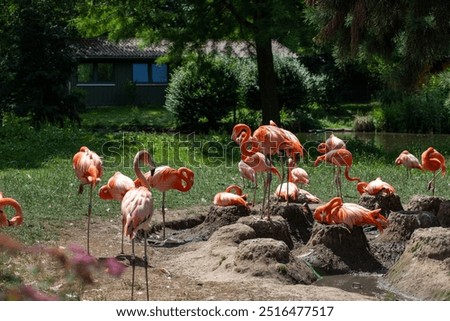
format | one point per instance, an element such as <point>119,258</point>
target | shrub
<point>426,111</point>
<point>202,92</point>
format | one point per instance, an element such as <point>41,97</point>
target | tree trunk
<point>267,80</point>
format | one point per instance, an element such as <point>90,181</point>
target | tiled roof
<point>130,48</point>
<point>245,49</point>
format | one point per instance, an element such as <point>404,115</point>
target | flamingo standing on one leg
<point>116,188</point>
<point>17,218</point>
<point>338,158</point>
<point>137,210</point>
<point>88,168</point>
<point>433,161</point>
<point>165,178</point>
<point>409,161</point>
<point>332,143</point>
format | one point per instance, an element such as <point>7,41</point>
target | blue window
<point>150,73</point>
<point>159,73</point>
<point>140,73</point>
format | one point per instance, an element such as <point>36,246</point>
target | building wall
<point>122,91</point>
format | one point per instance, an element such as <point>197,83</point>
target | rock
<point>232,234</point>
<point>391,243</point>
<point>277,228</point>
<point>387,203</point>
<point>423,270</point>
<point>443,214</point>
<point>264,257</point>
<point>421,203</point>
<point>299,218</point>
<point>335,249</point>
<point>217,217</point>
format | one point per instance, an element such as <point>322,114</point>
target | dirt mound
<point>387,203</point>
<point>270,258</point>
<point>335,249</point>
<point>392,242</point>
<point>423,270</point>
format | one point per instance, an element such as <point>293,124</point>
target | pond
<point>389,142</point>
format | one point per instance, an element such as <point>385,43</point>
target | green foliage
<point>426,111</point>
<point>202,92</point>
<point>36,62</point>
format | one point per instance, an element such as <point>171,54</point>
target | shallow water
<point>365,284</point>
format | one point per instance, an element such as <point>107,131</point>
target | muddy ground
<point>231,262</point>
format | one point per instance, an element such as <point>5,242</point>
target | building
<point>120,73</point>
<point>126,73</point>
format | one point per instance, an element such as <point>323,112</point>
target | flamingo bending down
<point>375,187</point>
<point>89,170</point>
<point>137,210</point>
<point>290,191</point>
<point>409,161</point>
<point>297,175</point>
<point>17,218</point>
<point>338,158</point>
<point>116,188</point>
<point>351,214</point>
<point>433,161</point>
<point>165,178</point>
<point>228,198</point>
<point>331,143</point>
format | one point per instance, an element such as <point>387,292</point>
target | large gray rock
<point>390,244</point>
<point>299,218</point>
<point>336,249</point>
<point>423,270</point>
<point>443,214</point>
<point>387,203</point>
<point>277,228</point>
<point>269,258</point>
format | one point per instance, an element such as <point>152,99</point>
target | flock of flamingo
<point>257,149</point>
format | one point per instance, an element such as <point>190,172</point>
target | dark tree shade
<point>410,35</point>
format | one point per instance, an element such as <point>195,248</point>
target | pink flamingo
<point>433,161</point>
<point>228,198</point>
<point>409,161</point>
<point>116,188</point>
<point>137,211</point>
<point>17,218</point>
<point>375,187</point>
<point>88,168</point>
<point>165,178</point>
<point>290,191</point>
<point>297,175</point>
<point>351,214</point>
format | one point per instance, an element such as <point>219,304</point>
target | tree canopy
<point>408,36</point>
<point>189,24</point>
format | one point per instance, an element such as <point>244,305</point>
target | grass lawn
<point>36,169</point>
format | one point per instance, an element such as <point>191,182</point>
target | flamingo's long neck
<point>18,217</point>
<point>147,159</point>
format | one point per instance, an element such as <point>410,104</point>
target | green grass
<point>36,170</point>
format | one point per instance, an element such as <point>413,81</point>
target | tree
<point>408,36</point>
<point>188,24</point>
<point>35,60</point>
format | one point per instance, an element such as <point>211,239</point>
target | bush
<point>427,111</point>
<point>202,92</point>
